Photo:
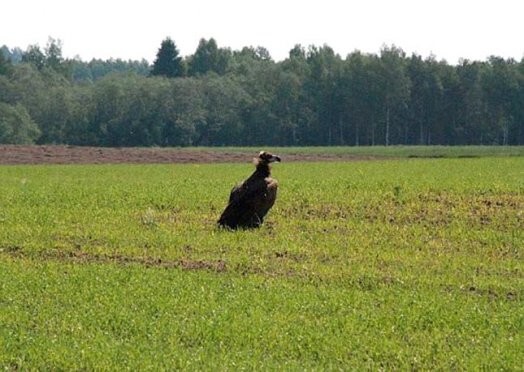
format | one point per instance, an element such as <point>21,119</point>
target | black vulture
<point>250,201</point>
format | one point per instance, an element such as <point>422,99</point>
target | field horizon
<point>68,154</point>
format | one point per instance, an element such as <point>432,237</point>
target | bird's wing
<point>266,200</point>
<point>243,200</point>
<point>236,192</point>
<point>245,192</point>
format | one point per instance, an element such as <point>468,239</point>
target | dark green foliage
<point>5,63</point>
<point>34,56</point>
<point>243,97</point>
<point>168,62</point>
<point>16,126</point>
<point>53,52</point>
<point>221,121</point>
<point>97,68</point>
<point>13,55</point>
<point>209,58</point>
<point>50,59</point>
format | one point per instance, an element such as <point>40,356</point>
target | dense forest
<point>219,97</point>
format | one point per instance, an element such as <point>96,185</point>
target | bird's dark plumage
<point>250,201</point>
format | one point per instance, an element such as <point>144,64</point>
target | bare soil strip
<point>54,154</point>
<point>80,257</point>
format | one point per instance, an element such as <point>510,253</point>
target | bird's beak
<point>275,158</point>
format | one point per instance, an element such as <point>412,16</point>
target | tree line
<point>221,97</point>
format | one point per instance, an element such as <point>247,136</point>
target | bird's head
<point>266,158</point>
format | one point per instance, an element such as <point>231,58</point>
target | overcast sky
<point>449,29</point>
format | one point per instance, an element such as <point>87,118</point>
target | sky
<point>448,29</point>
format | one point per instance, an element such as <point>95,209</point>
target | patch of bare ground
<point>80,257</point>
<point>54,154</point>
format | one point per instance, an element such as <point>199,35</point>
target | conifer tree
<point>168,62</point>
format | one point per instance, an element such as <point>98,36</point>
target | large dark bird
<point>250,201</point>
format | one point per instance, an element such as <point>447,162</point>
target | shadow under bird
<point>250,200</point>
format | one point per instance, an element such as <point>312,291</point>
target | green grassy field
<point>396,151</point>
<point>393,264</point>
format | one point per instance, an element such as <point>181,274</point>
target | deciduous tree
<point>16,125</point>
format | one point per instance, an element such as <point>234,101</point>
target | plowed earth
<point>51,154</point>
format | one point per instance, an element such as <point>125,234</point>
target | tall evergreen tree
<point>168,62</point>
